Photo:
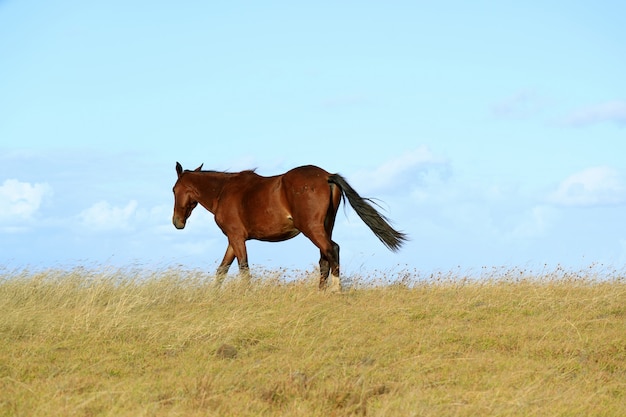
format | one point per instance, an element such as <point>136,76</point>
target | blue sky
<point>493,132</point>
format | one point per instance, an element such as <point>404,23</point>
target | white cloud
<point>102,216</point>
<point>404,171</point>
<point>591,187</point>
<point>611,111</point>
<point>19,201</point>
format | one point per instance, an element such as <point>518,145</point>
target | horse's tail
<point>378,223</point>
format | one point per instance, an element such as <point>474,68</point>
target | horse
<point>249,206</point>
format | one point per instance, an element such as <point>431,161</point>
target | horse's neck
<point>209,186</point>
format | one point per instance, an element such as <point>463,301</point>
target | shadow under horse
<point>249,206</point>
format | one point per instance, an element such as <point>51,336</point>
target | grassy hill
<point>131,343</point>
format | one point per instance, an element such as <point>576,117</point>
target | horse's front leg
<point>222,270</point>
<point>239,249</point>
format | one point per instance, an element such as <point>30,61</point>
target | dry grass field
<point>131,343</point>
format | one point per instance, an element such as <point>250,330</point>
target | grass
<point>166,343</point>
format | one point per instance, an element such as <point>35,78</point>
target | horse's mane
<point>207,171</point>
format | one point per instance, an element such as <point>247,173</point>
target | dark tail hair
<point>378,223</point>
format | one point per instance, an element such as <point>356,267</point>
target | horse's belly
<point>279,237</point>
<point>272,229</point>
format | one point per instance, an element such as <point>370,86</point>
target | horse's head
<point>185,199</point>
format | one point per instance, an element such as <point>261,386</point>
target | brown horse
<point>248,206</point>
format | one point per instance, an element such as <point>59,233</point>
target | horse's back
<point>308,174</point>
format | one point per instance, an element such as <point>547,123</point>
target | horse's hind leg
<point>335,285</point>
<point>324,270</point>
<point>330,264</point>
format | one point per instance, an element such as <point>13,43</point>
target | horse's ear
<point>179,168</point>
<point>200,167</point>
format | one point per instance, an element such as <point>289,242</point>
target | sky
<point>492,133</point>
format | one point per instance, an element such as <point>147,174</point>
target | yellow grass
<point>128,343</point>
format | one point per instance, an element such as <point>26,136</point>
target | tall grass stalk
<point>167,343</point>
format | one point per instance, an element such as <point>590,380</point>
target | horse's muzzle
<point>178,223</point>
